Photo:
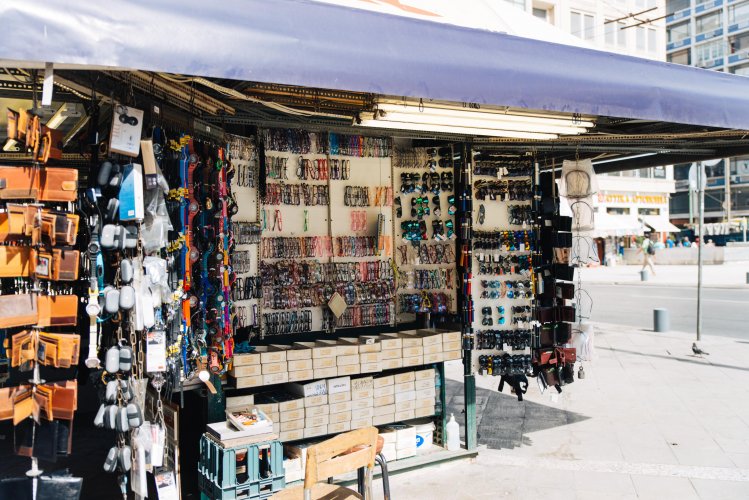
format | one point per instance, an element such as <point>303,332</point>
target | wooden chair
<point>330,458</point>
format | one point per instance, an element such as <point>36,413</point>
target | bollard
<point>747,278</point>
<point>644,275</point>
<point>661,320</point>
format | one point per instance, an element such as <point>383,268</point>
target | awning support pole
<point>701,215</point>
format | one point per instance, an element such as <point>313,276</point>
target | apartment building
<point>712,35</point>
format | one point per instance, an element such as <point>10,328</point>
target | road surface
<point>725,310</point>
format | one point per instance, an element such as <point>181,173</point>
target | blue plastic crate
<point>253,491</point>
<point>219,465</point>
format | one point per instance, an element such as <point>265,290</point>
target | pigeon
<point>698,351</point>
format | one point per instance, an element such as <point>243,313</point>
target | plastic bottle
<point>453,434</point>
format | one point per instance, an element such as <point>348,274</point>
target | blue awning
<point>306,43</point>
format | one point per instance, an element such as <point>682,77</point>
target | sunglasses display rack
<point>504,242</point>
<point>424,212</point>
<point>326,201</point>
<point>39,269</point>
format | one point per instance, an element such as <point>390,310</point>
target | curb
<point>667,285</point>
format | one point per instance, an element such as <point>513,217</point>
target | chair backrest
<point>325,459</point>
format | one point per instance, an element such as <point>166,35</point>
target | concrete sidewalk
<point>733,275</point>
<point>650,420</point>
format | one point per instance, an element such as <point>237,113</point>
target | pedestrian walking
<point>648,253</point>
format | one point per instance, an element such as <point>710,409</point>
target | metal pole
<point>701,210</point>
<point>727,172</point>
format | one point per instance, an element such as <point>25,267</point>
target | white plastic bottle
<point>453,434</point>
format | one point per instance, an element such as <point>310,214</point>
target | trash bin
<point>661,320</point>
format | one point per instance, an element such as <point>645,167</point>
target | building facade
<point>713,35</point>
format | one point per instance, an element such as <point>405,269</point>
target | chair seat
<point>321,491</point>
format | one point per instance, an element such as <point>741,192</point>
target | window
<point>617,210</point>
<point>717,170</point>
<point>621,34</point>
<point>739,43</point>
<point>520,4</point>
<point>679,203</point>
<point>582,25</point>
<point>541,13</point>
<point>741,70</point>
<point>659,172</point>
<point>652,40</point>
<point>738,13</point>
<point>678,32</point>
<point>676,5</point>
<point>609,32</point>
<point>708,22</point>
<point>644,173</point>
<point>649,211</point>
<point>740,166</point>
<point>640,38</point>
<point>707,53</point>
<point>681,171</point>
<point>680,57</point>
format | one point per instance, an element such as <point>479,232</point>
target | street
<point>725,310</point>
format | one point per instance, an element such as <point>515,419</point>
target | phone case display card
<point>324,219</point>
<point>504,242</point>
<point>424,209</point>
<point>127,126</point>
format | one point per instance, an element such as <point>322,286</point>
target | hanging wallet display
<point>59,265</point>
<point>18,310</point>
<point>58,184</point>
<point>50,145</point>
<point>58,310</point>
<point>60,350</point>
<point>6,403</point>
<point>64,399</point>
<point>15,262</point>
<point>17,183</point>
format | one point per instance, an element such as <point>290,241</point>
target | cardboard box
<point>369,348</point>
<point>299,364</point>
<point>276,428</point>
<point>331,347</point>
<point>410,338</point>
<point>269,354</point>
<point>301,375</point>
<point>425,403</point>
<point>341,384</point>
<point>288,401</point>
<point>382,381</point>
<point>292,425</point>
<point>391,341</point>
<point>316,421</point>
<point>404,386</point>
<point>276,378</point>
<point>400,378</point>
<point>409,352</point>
<point>314,411</point>
<point>293,353</point>
<point>311,401</point>
<point>430,337</point>
<point>340,407</point>
<point>267,408</point>
<point>349,370</point>
<point>370,357</point>
<point>245,371</point>
<point>347,349</point>
<point>359,383</point>
<point>433,349</point>
<point>274,417</point>
<point>450,337</point>
<point>339,397</point>
<point>362,394</point>
<point>244,382</point>
<point>391,364</point>
<point>404,396</point>
<point>405,405</point>
<point>387,390</point>
<point>452,355</point>
<point>315,431</point>
<point>370,367</point>
<point>326,372</point>
<point>361,423</point>
<point>423,384</point>
<point>236,401</point>
<point>452,346</point>
<point>317,388</point>
<point>384,400</point>
<point>430,392</point>
<point>433,358</point>
<point>388,354</point>
<point>424,412</point>
<point>339,427</point>
<point>336,418</point>
<point>291,436</point>
<point>246,359</point>
<point>271,368</point>
<point>329,362</point>
<point>317,351</point>
<point>351,359</point>
<point>289,415</point>
<point>425,374</point>
<point>389,452</point>
<point>383,419</point>
<point>413,361</point>
<point>362,413</point>
<point>389,436</point>
<point>358,404</point>
<point>383,410</point>
<point>404,415</point>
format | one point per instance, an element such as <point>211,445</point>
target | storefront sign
<point>649,199</point>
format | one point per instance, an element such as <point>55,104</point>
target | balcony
<point>678,15</point>
<point>678,44</point>
<point>708,35</point>
<point>706,6</point>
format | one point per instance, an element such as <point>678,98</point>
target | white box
<point>287,416</point>
<point>405,453</point>
<point>245,371</point>
<point>339,427</point>
<point>383,410</point>
<point>432,349</point>
<point>317,421</point>
<point>389,436</point>
<point>267,408</point>
<point>383,419</point>
<point>310,401</point>
<point>389,452</point>
<point>269,354</point>
<point>404,396</point>
<point>315,431</point>
<point>413,351</point>
<point>404,386</point>
<point>235,401</point>
<point>314,411</point>
<point>299,375</point>
<point>271,368</point>
<point>370,357</point>
<point>361,423</point>
<point>329,362</point>
<point>423,384</point>
<point>362,394</point>
<point>340,407</point>
<point>391,341</point>
<point>317,351</point>
<point>293,353</point>
<point>246,359</point>
<point>387,390</point>
<point>405,437</point>
<point>358,404</point>
<point>341,384</point>
<point>389,354</point>
<point>317,388</point>
<point>336,418</point>
<point>403,415</point>
<point>346,349</point>
<point>326,372</point>
<point>430,392</point>
<point>391,364</point>
<point>425,403</point>
<point>424,412</point>
<point>368,348</point>
<point>339,397</point>
<point>362,413</point>
<point>452,355</point>
<point>405,405</point>
<point>450,337</point>
<point>382,381</point>
<point>244,382</point>
<point>384,400</point>
<point>300,364</point>
<point>410,338</point>
<point>426,374</point>
<point>433,358</point>
<point>413,361</point>
<point>430,337</point>
<point>359,383</point>
<point>276,378</point>
<point>292,425</point>
<point>349,370</point>
<point>400,378</point>
<point>370,367</point>
<point>451,346</point>
<point>288,402</point>
<point>291,436</point>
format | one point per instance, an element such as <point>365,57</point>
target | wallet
<point>12,126</point>
<point>58,310</point>
<point>20,182</point>
<point>58,184</point>
<point>6,403</point>
<point>59,228</point>
<point>50,145</point>
<point>18,310</point>
<point>60,350</point>
<point>59,265</point>
<point>15,262</point>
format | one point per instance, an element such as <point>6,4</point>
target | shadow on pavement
<point>503,421</point>
<point>704,360</point>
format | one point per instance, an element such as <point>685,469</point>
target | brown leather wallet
<point>60,350</point>
<point>64,399</point>
<point>50,145</point>
<point>18,183</point>
<point>15,262</point>
<point>58,310</point>
<point>59,265</point>
<point>18,310</point>
<point>58,184</point>
<point>6,403</point>
<point>12,128</point>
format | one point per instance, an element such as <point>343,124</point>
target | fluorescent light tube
<point>448,129</point>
